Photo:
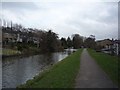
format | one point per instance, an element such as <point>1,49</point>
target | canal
<point>17,70</point>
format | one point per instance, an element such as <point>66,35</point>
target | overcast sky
<point>66,18</point>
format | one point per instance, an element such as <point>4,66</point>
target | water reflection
<point>16,71</point>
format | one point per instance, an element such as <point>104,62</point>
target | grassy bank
<point>14,52</point>
<point>61,75</point>
<point>108,63</point>
<point>10,52</point>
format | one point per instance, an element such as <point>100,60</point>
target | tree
<point>43,41</point>
<point>90,42</point>
<point>64,43</point>
<point>52,41</point>
<point>49,41</point>
<point>69,42</point>
<point>18,27</point>
<point>77,41</point>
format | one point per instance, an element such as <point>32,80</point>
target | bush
<point>19,48</point>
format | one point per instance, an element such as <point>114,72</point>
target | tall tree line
<point>49,40</point>
<point>75,42</point>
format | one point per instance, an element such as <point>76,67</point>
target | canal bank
<point>17,70</point>
<point>8,53</point>
<point>60,75</point>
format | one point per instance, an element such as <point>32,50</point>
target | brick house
<point>106,43</point>
<point>109,46</point>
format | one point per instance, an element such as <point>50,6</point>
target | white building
<point>19,39</point>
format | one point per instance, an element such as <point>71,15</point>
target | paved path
<point>91,75</point>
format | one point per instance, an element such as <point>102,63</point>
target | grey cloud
<point>18,9</point>
<point>70,18</point>
<point>19,5</point>
<point>90,22</point>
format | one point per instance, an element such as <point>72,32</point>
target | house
<point>19,39</point>
<point>106,43</point>
<point>109,46</point>
<point>11,36</point>
<point>36,41</point>
<point>8,38</point>
<point>116,46</point>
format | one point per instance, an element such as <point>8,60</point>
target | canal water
<point>17,70</point>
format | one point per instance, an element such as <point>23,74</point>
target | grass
<point>108,63</point>
<point>9,52</point>
<point>60,75</point>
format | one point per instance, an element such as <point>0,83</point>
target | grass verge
<point>109,64</point>
<point>9,52</point>
<point>60,75</point>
